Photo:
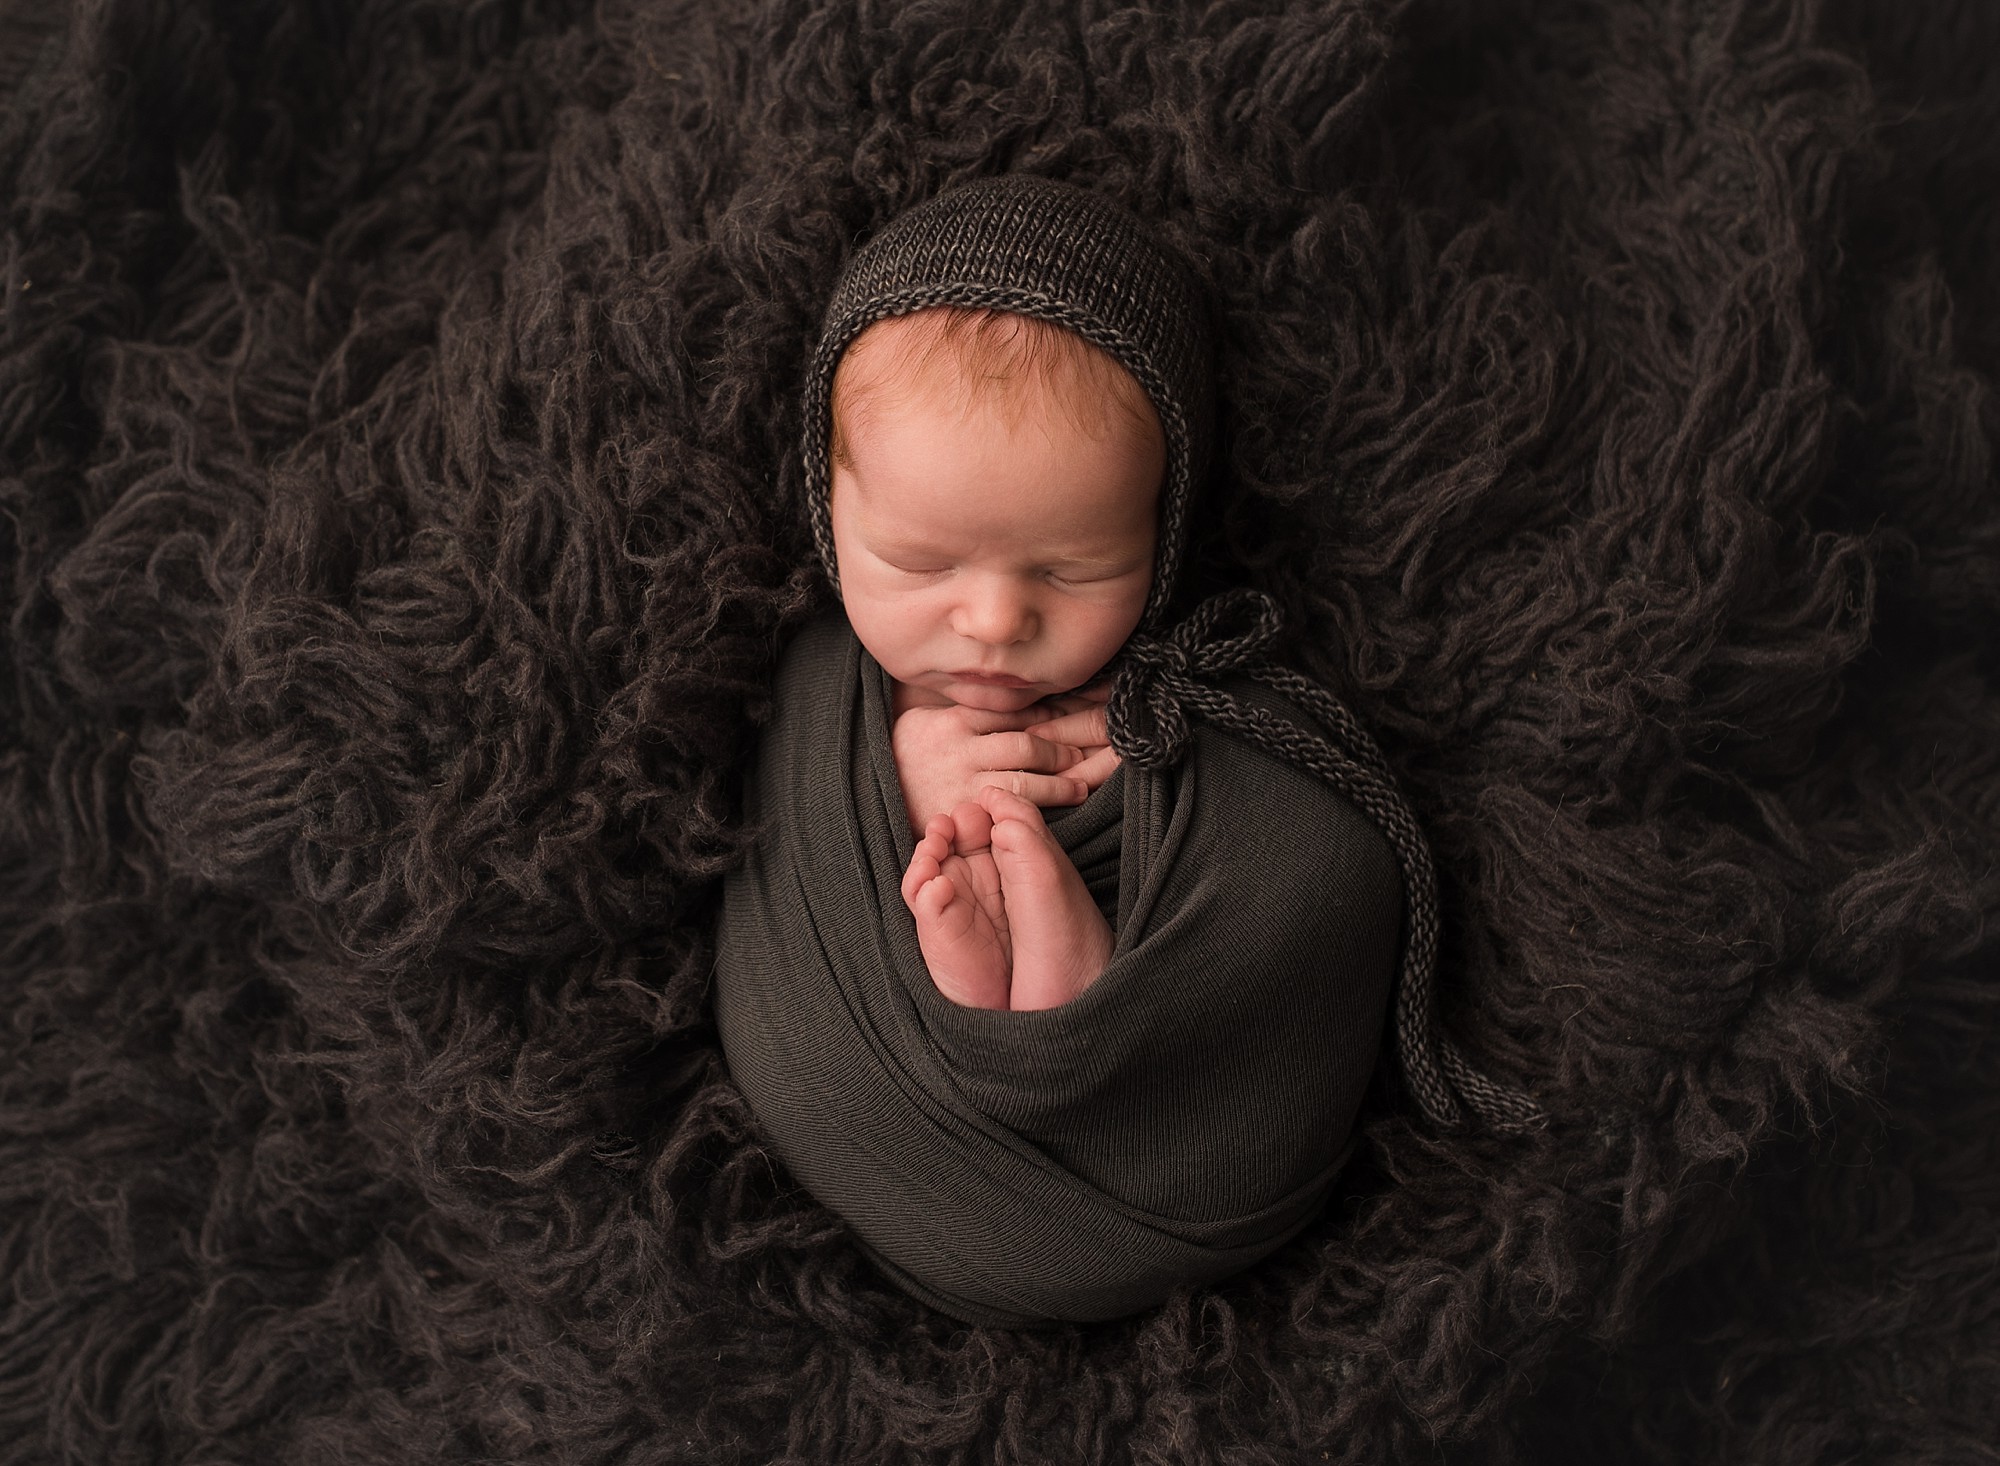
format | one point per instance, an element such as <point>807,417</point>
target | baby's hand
<point>1080,725</point>
<point>945,756</point>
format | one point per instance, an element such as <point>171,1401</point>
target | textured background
<point>399,520</point>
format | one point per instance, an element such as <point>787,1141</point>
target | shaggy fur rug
<point>399,522</point>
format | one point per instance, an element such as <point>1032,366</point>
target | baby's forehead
<point>954,356</point>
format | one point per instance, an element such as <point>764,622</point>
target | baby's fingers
<point>1095,769</point>
<point>1095,695</point>
<point>981,721</point>
<point>1085,729</point>
<point>1042,789</point>
<point>1023,751</point>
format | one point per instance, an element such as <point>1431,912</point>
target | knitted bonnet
<point>1054,251</point>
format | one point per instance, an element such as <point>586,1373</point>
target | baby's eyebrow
<point>1095,562</point>
<point>897,546</point>
<point>896,543</point>
<point>890,544</point>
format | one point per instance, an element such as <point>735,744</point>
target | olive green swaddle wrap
<point>1190,1110</point>
<point>1171,1125</point>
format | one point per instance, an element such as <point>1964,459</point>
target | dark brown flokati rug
<point>399,521</point>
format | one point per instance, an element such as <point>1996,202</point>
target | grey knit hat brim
<point>1051,250</point>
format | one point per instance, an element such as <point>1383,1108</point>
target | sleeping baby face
<point>996,482</point>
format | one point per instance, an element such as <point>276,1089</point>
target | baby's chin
<point>995,699</point>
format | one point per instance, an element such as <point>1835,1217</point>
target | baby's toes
<point>932,908</point>
<point>944,922</point>
<point>974,828</point>
<point>923,868</point>
<point>966,966</point>
<point>1002,805</point>
<point>1024,848</point>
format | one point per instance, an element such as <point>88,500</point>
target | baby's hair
<point>989,353</point>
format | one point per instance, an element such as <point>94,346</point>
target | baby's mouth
<point>992,679</point>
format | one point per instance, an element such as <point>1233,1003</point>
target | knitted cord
<point>1161,681</point>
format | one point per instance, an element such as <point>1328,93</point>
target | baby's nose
<point>995,615</point>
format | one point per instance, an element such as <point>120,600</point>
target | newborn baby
<point>995,491</point>
<point>1052,1067</point>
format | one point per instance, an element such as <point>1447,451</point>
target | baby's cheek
<point>899,631</point>
<point>1122,616</point>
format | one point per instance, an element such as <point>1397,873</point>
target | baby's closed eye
<point>1065,575</point>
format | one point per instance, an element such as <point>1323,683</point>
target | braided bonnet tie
<point>1161,681</point>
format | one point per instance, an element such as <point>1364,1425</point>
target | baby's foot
<point>1061,941</point>
<point>952,888</point>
